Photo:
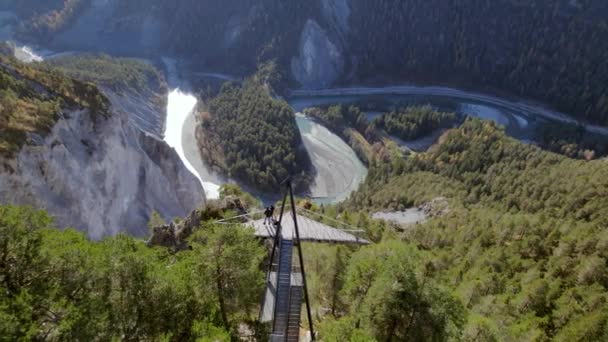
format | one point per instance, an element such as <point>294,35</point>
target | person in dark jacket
<point>268,216</point>
<point>272,213</point>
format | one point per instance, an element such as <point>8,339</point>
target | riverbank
<point>523,108</point>
<point>339,171</point>
<point>180,130</point>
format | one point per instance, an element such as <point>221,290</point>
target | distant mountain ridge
<point>552,51</point>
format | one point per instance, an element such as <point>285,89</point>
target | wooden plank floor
<point>310,230</point>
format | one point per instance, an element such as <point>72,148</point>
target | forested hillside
<point>120,74</point>
<point>548,50</point>
<point>518,254</point>
<point>514,241</point>
<point>58,285</point>
<point>571,140</point>
<point>414,122</point>
<point>252,137</point>
<point>237,34</point>
<point>522,246</point>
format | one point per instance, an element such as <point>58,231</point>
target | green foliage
<point>573,141</point>
<point>543,49</point>
<point>522,244</point>
<point>414,122</point>
<point>551,51</point>
<point>343,329</point>
<point>22,283</point>
<point>155,221</point>
<point>228,190</point>
<point>520,254</point>
<point>392,297</point>
<point>120,74</point>
<point>269,73</point>
<point>338,117</point>
<point>326,267</point>
<point>231,266</point>
<point>252,136</point>
<point>410,190</point>
<point>58,285</point>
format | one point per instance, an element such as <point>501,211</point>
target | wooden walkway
<point>310,231</point>
<point>268,306</point>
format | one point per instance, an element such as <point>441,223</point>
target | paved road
<point>515,106</point>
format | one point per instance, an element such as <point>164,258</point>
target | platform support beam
<point>299,245</point>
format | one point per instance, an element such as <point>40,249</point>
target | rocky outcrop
<point>175,234</point>
<point>103,176</point>
<point>319,61</point>
<point>436,207</point>
<point>145,109</point>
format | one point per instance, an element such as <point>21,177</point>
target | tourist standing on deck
<point>272,214</point>
<point>268,215</point>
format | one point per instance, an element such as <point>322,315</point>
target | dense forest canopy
<point>522,239</point>
<point>522,245</point>
<point>571,140</point>
<point>553,51</point>
<point>238,34</point>
<point>414,122</point>
<point>519,254</point>
<point>549,50</point>
<point>252,137</point>
<point>58,285</point>
<point>117,73</point>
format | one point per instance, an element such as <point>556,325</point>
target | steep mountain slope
<point>523,241</point>
<point>97,172</point>
<point>133,86</point>
<point>549,50</point>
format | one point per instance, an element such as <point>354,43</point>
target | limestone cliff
<point>319,61</point>
<point>104,175</point>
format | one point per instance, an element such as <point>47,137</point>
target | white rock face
<point>319,61</point>
<point>141,108</point>
<point>103,177</point>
